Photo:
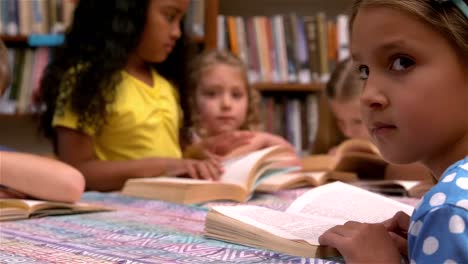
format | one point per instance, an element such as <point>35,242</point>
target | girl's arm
<point>76,148</point>
<point>40,177</point>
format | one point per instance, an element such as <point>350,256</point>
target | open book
<point>397,187</point>
<point>354,160</point>
<point>353,155</point>
<point>241,177</point>
<point>13,209</point>
<point>296,230</point>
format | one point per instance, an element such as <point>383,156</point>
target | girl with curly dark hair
<point>112,109</point>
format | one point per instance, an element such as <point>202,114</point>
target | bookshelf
<point>327,134</point>
<point>212,8</point>
<point>289,87</point>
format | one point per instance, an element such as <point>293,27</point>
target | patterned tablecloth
<point>138,231</point>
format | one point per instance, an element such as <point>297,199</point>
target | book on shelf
<point>14,209</point>
<point>241,177</point>
<point>296,230</point>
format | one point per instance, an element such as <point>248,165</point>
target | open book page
<point>343,201</point>
<point>23,208</point>
<point>289,226</point>
<point>292,180</point>
<point>243,170</point>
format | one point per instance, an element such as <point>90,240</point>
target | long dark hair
<point>85,70</point>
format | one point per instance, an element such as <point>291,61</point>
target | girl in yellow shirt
<point>112,109</point>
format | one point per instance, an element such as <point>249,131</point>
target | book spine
<point>342,36</point>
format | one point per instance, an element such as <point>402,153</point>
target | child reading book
<point>413,57</point>
<point>112,105</point>
<point>222,101</point>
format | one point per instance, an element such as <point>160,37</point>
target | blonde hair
<point>443,17</point>
<point>344,83</point>
<point>199,66</point>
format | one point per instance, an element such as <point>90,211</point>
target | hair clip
<point>462,6</point>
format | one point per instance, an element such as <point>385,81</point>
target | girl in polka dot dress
<point>413,56</point>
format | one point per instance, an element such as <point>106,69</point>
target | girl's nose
<point>372,96</point>
<point>226,101</point>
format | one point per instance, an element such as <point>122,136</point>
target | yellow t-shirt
<point>142,122</point>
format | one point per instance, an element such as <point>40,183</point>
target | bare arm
<point>76,148</point>
<point>40,177</point>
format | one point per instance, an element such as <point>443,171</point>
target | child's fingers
<point>217,165</point>
<point>204,172</point>
<point>398,224</point>
<point>191,171</point>
<point>214,171</point>
<point>401,243</point>
<point>330,238</point>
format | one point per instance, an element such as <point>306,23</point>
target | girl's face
<point>221,99</point>
<point>416,88</point>
<point>162,29</point>
<point>348,117</point>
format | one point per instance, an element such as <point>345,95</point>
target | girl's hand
<point>197,169</point>
<point>397,226</point>
<point>362,243</point>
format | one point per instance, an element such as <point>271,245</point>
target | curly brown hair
<point>198,67</point>
<point>85,70</point>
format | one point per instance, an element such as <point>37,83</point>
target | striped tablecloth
<point>138,231</point>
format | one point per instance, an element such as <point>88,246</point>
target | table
<point>138,231</point>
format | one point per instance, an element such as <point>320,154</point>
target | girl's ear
<point>5,74</point>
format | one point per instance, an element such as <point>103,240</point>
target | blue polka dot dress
<point>438,231</point>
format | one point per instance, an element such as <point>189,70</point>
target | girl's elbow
<point>74,187</point>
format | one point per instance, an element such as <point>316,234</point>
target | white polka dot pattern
<point>456,225</point>
<point>437,199</point>
<point>438,231</point>
<point>449,177</point>
<point>464,166</point>
<point>463,204</point>
<point>416,228</point>
<point>450,261</point>
<point>430,246</point>
<point>463,183</point>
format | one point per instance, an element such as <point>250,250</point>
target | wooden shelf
<point>289,87</point>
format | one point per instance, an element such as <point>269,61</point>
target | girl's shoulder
<point>451,191</point>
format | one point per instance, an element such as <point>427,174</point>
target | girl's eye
<point>209,93</point>
<point>170,17</point>
<point>237,95</point>
<point>401,64</point>
<point>363,72</point>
